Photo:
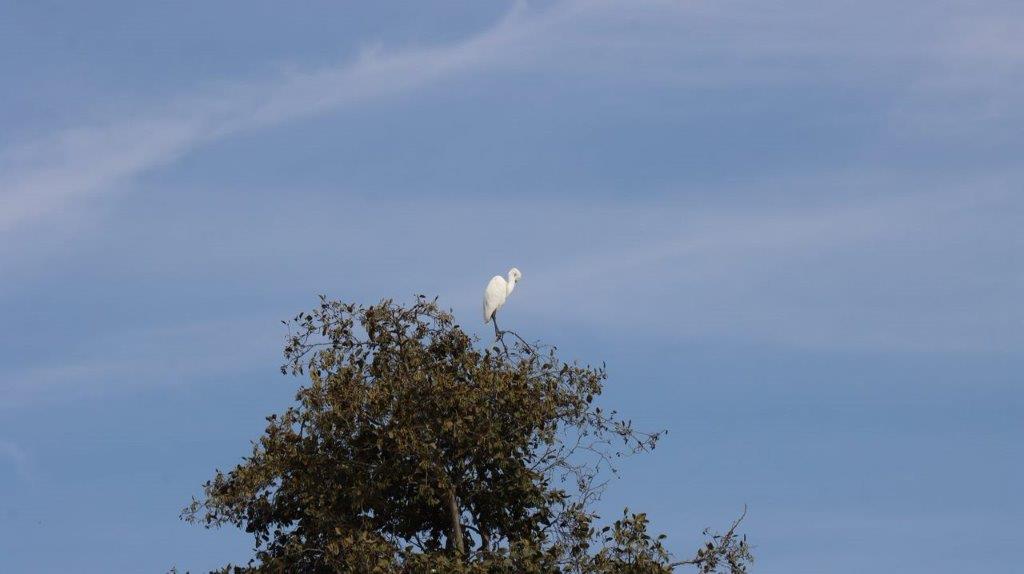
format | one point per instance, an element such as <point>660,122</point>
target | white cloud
<point>860,270</point>
<point>17,457</point>
<point>132,359</point>
<point>685,43</point>
<point>48,176</point>
<point>55,173</point>
<point>917,272</point>
<point>884,274</point>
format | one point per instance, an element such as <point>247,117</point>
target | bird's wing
<point>494,297</point>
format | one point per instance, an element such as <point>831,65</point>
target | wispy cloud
<point>126,360</point>
<point>898,273</point>
<point>873,267</point>
<point>751,44</point>
<point>17,458</point>
<point>54,173</point>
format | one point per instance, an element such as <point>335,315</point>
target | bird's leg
<point>497,332</point>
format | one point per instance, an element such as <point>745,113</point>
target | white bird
<point>497,291</point>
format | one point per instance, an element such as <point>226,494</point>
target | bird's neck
<point>509,286</point>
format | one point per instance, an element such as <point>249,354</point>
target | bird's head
<point>514,275</point>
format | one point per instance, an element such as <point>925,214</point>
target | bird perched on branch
<point>497,291</point>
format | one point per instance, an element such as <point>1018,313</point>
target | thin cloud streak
<point>806,277</point>
<point>56,173</point>
<point>894,274</point>
<point>18,459</point>
<point>139,359</point>
<point>889,274</point>
<point>52,174</point>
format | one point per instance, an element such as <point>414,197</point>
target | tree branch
<point>456,518</point>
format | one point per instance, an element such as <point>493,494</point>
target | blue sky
<point>792,229</point>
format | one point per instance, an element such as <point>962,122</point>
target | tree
<point>411,449</point>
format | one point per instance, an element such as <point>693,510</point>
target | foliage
<point>413,450</point>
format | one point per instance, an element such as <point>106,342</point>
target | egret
<point>494,296</point>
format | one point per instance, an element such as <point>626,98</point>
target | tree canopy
<point>413,448</point>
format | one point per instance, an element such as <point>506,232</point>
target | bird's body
<point>497,291</point>
<point>495,295</point>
